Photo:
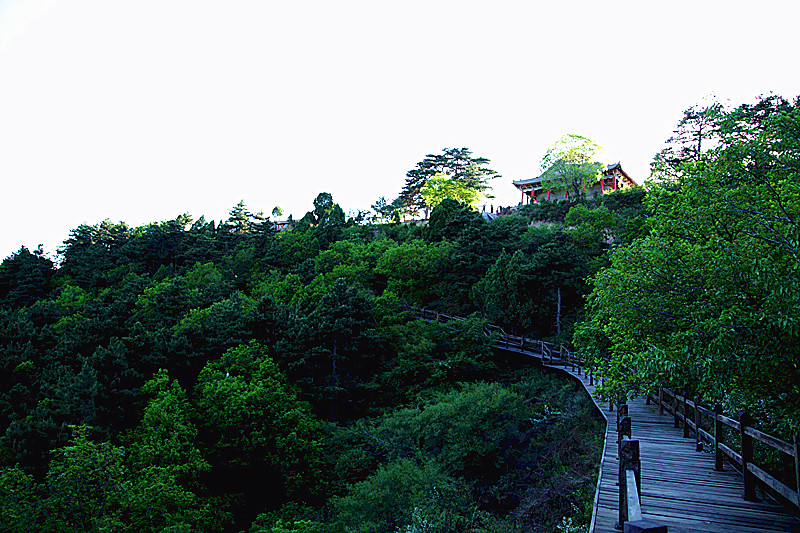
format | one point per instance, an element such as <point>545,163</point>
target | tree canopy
<point>572,163</point>
<point>708,300</point>
<point>457,164</point>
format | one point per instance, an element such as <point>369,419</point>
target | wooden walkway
<point>680,488</point>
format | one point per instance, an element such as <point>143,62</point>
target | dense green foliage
<point>200,376</point>
<point>707,300</point>
<point>456,164</point>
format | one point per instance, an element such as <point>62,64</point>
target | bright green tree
<point>166,437</point>
<point>406,496</point>
<point>87,485</point>
<point>457,164</point>
<point>708,301</point>
<point>263,441</point>
<point>439,187</point>
<point>20,507</point>
<point>572,163</point>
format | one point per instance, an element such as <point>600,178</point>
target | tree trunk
<point>558,312</point>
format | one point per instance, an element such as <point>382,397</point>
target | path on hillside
<point>680,488</point>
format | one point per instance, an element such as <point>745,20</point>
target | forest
<point>193,375</point>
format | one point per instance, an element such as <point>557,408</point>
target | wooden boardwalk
<point>680,488</point>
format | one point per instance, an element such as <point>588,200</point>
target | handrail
<point>751,472</point>
<point>630,479</point>
<point>633,504</point>
<point>546,349</point>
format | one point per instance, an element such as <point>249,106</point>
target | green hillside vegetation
<point>192,375</point>
<point>199,376</point>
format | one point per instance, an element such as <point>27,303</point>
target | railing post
<point>675,409</point>
<point>660,401</point>
<point>719,459</point>
<point>628,460</point>
<point>746,420</point>
<point>697,421</point>
<point>624,429</point>
<point>622,411</point>
<point>685,413</point>
<point>797,468</point>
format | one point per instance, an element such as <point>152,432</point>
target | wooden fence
<point>679,406</point>
<point>551,353</point>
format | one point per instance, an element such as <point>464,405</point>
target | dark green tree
<point>262,442</point>
<point>457,164</point>
<point>25,277</point>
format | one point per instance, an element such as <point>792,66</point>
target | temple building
<point>613,178</point>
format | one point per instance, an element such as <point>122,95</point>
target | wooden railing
<point>630,509</point>
<point>551,353</point>
<point>744,459</point>
<point>630,479</point>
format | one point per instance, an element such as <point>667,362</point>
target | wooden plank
<point>730,422</point>
<point>707,437</point>
<point>634,507</point>
<point>679,486</point>
<point>705,411</point>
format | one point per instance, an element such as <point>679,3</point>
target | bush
<point>405,496</point>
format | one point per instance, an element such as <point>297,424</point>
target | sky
<point>141,111</point>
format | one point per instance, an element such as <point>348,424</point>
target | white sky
<point>143,110</point>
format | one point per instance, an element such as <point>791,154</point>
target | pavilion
<point>614,178</point>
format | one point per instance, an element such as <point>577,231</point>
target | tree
<point>457,164</point>
<point>385,211</point>
<point>335,355</point>
<point>87,486</point>
<point>25,277</point>
<point>406,496</point>
<point>166,436</point>
<point>19,508</point>
<point>326,219</point>
<point>439,188</point>
<point>262,440</point>
<point>709,300</point>
<point>572,163</point>
<point>449,219</point>
<point>696,132</point>
<point>240,220</point>
<point>91,253</point>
